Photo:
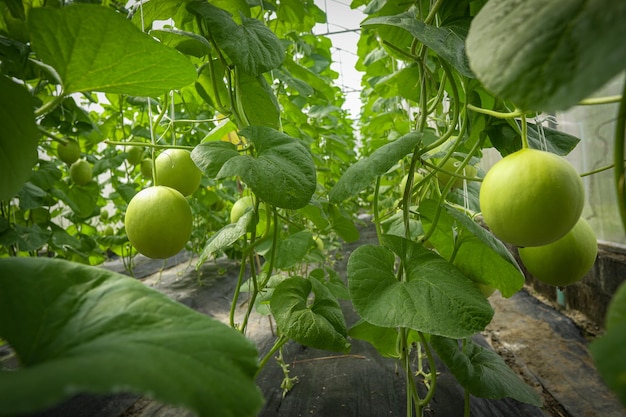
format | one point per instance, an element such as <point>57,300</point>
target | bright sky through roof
<point>340,28</point>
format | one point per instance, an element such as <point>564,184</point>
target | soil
<point>546,346</point>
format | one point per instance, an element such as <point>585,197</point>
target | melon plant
<point>248,93</point>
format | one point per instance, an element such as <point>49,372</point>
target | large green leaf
<point>93,48</point>
<point>506,138</point>
<point>480,256</point>
<point>447,42</point>
<point>384,339</point>
<point>258,101</point>
<point>434,297</point>
<point>482,371</point>
<point>188,43</point>
<point>252,46</point>
<point>547,55</point>
<point>83,329</point>
<point>608,350</point>
<point>282,173</point>
<point>18,137</point>
<point>211,156</point>
<point>319,324</point>
<point>292,250</point>
<point>364,172</point>
<point>309,77</point>
<point>226,236</point>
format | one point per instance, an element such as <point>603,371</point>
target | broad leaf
<point>342,224</point>
<point>482,371</point>
<point>309,77</point>
<point>83,329</point>
<point>282,173</point>
<point>94,48</point>
<point>252,46</point>
<point>18,138</point>
<point>258,101</point>
<point>363,173</point>
<point>292,249</point>
<point>153,10</point>
<point>506,139</point>
<point>480,256</point>
<point>319,324</point>
<point>188,43</point>
<point>447,42</point>
<point>25,238</point>
<point>211,156</point>
<point>226,236</point>
<point>547,55</point>
<point>206,87</point>
<point>384,339</point>
<point>608,350</point>
<point>434,297</point>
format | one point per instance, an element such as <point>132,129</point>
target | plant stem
<point>454,173</point>
<point>524,132</point>
<point>379,230</point>
<point>432,369</point>
<point>50,105</point>
<point>277,345</point>
<point>52,136</point>
<point>499,115</point>
<point>600,100</point>
<point>147,145</point>
<point>598,170</point>
<point>618,156</point>
<point>408,191</point>
<point>433,12</point>
<point>233,303</point>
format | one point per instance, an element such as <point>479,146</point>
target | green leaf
<point>83,329</point>
<point>384,339</point>
<point>283,172</point>
<point>226,236</point>
<point>297,84</point>
<point>94,48</point>
<point>188,43</point>
<point>309,77</point>
<point>506,139</point>
<point>342,224</point>
<point>206,86</point>
<point>18,138</point>
<point>258,101</point>
<point>616,312</point>
<point>608,355</point>
<point>252,46</point>
<point>364,172</point>
<point>27,238</point>
<point>292,249</point>
<point>608,350</point>
<point>152,10</point>
<point>434,297</point>
<point>331,279</point>
<point>547,56</point>
<point>480,256</point>
<point>211,156</point>
<point>31,196</point>
<point>319,324</point>
<point>83,200</point>
<point>447,42</point>
<point>482,371</point>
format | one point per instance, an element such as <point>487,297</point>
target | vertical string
<point>150,122</point>
<point>172,117</point>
